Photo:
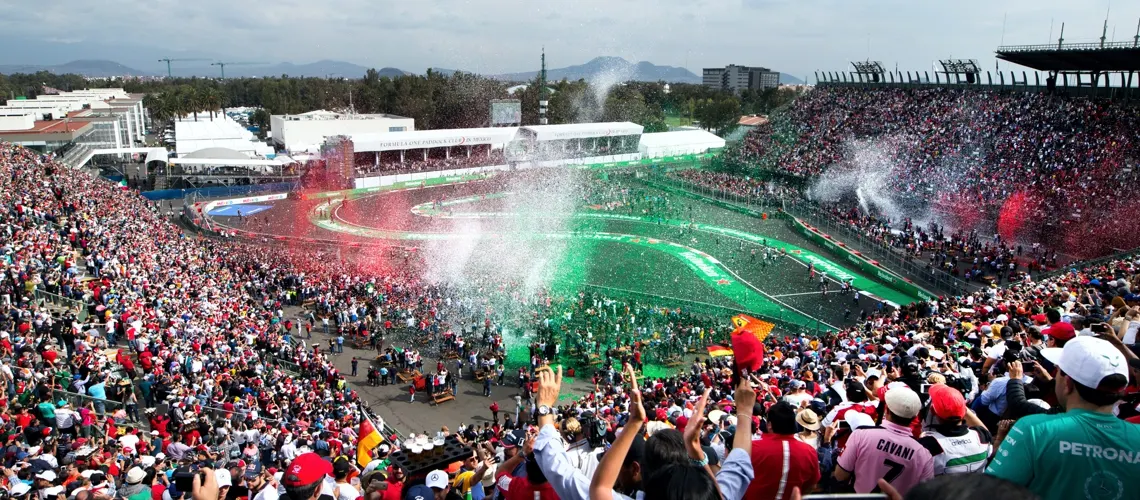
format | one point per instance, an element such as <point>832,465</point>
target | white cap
<point>903,402</point>
<point>53,491</point>
<point>20,489</point>
<point>436,479</point>
<point>223,477</point>
<point>873,373</point>
<point>146,461</point>
<point>46,475</point>
<point>1088,360</point>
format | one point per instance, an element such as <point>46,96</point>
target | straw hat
<point>808,420</point>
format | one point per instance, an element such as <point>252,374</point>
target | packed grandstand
<point>143,362</point>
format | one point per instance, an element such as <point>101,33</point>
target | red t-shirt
<point>395,491</point>
<point>777,453</point>
<point>518,488</point>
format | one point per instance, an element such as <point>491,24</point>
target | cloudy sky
<point>493,36</point>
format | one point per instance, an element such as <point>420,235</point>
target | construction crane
<point>169,60</point>
<point>224,64</point>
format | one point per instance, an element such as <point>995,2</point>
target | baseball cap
<point>223,478</point>
<point>856,391</point>
<point>903,402</point>
<point>46,475</point>
<point>20,489</point>
<point>947,402</point>
<point>252,470</point>
<point>1089,360</point>
<point>514,438</point>
<point>436,479</point>
<point>1061,331</point>
<point>306,469</point>
<point>53,491</point>
<point>419,492</point>
<point>341,464</point>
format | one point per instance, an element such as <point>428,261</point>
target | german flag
<point>368,439</point>
<point>717,350</point>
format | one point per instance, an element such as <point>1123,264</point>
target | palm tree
<point>211,101</point>
<point>193,101</point>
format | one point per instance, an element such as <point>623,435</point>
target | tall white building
<point>307,131</point>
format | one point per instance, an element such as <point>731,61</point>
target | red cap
<point>682,422</point>
<point>1039,319</point>
<point>305,470</point>
<point>947,402</point>
<point>1060,331</point>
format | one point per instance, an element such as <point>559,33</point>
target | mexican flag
<point>123,183</point>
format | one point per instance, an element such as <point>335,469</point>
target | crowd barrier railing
<point>704,308</point>
<point>77,307</point>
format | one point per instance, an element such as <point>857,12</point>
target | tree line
<point>434,100</point>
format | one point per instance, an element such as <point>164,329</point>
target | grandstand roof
<point>421,139</point>
<point>1117,56</point>
<point>582,130</point>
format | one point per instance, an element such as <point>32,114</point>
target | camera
<point>184,477</point>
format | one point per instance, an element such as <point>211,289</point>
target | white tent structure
<point>220,132</point>
<point>204,160</point>
<point>680,142</point>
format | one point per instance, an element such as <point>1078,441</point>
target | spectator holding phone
<point>1085,452</point>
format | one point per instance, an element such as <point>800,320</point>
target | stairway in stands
<point>75,155</point>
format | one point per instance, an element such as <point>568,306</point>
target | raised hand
<point>549,386</point>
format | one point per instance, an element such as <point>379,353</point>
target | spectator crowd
<point>179,374</point>
<point>1029,165</point>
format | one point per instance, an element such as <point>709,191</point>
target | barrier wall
<point>415,178</point>
<point>396,185</point>
<point>217,192</point>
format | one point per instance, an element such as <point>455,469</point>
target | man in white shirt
<point>65,419</point>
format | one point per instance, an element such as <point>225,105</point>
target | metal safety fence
<point>76,307</point>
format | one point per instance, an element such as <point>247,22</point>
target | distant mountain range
<point>604,68</point>
<point>616,68</point>
<point>90,68</point>
<point>99,68</point>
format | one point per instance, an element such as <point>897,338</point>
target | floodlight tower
<point>543,101</point>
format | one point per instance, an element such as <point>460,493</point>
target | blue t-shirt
<point>97,391</point>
